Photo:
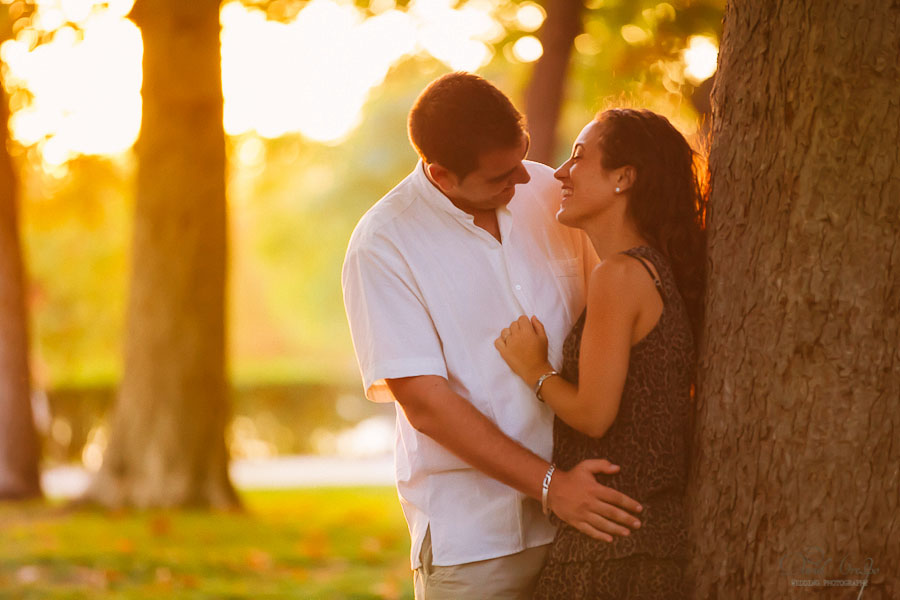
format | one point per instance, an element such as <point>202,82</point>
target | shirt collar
<point>435,198</point>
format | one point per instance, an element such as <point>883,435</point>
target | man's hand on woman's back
<point>577,498</point>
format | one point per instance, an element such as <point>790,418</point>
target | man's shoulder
<point>542,184</point>
<point>383,214</point>
<point>539,170</point>
<point>542,190</point>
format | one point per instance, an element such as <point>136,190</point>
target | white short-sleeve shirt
<point>427,292</point>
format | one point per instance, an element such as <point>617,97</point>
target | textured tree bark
<point>167,444</point>
<point>19,447</point>
<point>544,96</point>
<point>796,442</point>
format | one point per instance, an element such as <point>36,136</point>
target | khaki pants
<point>510,577</point>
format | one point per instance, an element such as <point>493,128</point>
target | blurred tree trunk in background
<point>796,446</point>
<point>544,96</point>
<point>19,446</point>
<point>167,445</point>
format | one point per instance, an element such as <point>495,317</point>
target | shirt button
<point>518,287</point>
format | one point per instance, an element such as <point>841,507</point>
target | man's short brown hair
<point>458,117</point>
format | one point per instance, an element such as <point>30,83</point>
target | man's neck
<point>485,219</point>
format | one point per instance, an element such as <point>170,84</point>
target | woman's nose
<point>562,172</point>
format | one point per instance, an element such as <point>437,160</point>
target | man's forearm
<point>575,496</point>
<point>451,420</point>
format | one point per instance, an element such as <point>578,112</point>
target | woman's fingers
<point>538,327</point>
<point>525,324</point>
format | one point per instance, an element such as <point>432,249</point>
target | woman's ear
<point>625,177</point>
<point>442,177</point>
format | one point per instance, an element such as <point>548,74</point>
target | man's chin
<point>503,198</point>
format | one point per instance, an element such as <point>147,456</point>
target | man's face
<point>493,183</point>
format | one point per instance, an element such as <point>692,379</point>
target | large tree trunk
<point>19,447</point>
<point>544,96</point>
<point>167,443</point>
<point>797,450</point>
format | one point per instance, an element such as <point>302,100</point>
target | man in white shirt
<point>460,248</point>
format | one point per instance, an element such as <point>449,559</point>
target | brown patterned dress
<point>648,440</point>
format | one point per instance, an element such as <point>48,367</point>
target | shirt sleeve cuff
<point>373,379</point>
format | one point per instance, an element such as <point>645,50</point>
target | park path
<point>260,473</point>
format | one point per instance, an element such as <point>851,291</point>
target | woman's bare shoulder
<point>618,269</point>
<point>619,278</point>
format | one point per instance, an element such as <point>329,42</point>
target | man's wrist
<point>545,489</point>
<point>553,493</point>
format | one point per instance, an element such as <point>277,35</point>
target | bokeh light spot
<point>587,44</point>
<point>634,35</point>
<point>527,49</point>
<point>700,58</point>
<point>530,16</point>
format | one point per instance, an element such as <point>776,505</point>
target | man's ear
<point>625,177</point>
<point>442,177</point>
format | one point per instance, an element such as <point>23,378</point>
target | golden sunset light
<point>289,310</point>
<point>86,85</point>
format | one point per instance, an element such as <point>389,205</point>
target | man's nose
<point>521,175</point>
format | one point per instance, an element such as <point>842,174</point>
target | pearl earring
<point>618,189</point>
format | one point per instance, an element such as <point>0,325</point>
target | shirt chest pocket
<point>567,267</point>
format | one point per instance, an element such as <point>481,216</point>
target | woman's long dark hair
<point>666,201</point>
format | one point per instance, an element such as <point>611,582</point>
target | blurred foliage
<point>606,70</point>
<point>292,215</point>
<point>294,202</point>
<point>266,420</point>
<point>77,232</point>
<point>316,543</point>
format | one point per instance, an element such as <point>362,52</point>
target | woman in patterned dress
<point>624,391</point>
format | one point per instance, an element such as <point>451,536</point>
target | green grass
<point>310,543</point>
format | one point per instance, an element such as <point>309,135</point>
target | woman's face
<point>587,188</point>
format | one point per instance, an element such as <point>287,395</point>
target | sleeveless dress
<point>649,441</point>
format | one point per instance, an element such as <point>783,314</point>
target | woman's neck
<point>612,233</point>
